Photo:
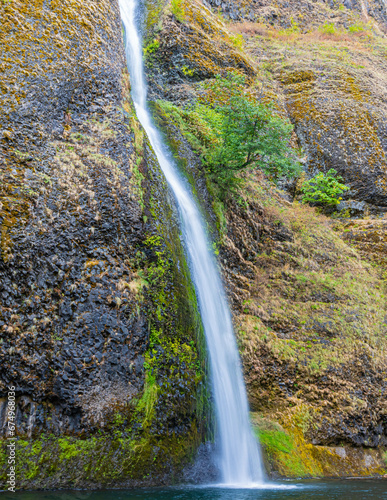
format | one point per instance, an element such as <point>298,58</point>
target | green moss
<point>146,405</point>
<point>153,16</point>
<point>152,47</point>
<point>107,460</point>
<point>287,451</point>
<point>324,307</point>
<point>177,9</point>
<point>275,441</point>
<point>176,358</point>
<point>68,449</point>
<point>282,451</point>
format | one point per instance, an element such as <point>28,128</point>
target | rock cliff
<point>310,311</point>
<point>98,325</point>
<point>99,329</point>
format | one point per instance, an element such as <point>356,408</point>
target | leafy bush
<point>323,189</point>
<point>328,29</point>
<point>238,41</point>
<point>248,134</point>
<point>358,27</point>
<point>152,47</point>
<point>233,130</point>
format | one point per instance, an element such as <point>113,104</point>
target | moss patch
<point>288,453</point>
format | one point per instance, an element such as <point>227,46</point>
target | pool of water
<point>289,490</point>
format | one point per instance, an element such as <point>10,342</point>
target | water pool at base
<point>290,490</point>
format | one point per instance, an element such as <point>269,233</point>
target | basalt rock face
<point>338,109</point>
<point>306,13</point>
<point>69,216</point>
<point>309,310</point>
<point>92,274</point>
<point>328,60</point>
<point>194,45</point>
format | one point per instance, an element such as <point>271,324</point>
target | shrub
<point>152,47</point>
<point>358,27</point>
<point>328,29</point>
<point>323,189</point>
<point>237,40</point>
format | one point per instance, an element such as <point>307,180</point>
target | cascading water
<point>240,459</point>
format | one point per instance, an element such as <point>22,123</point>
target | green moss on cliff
<point>108,460</point>
<point>288,453</point>
<point>155,430</point>
<point>329,83</point>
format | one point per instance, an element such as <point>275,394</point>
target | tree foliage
<point>249,134</point>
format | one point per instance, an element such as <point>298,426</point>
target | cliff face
<point>309,310</point>
<point>69,213</point>
<point>99,330</point>
<point>93,316</point>
<point>306,13</point>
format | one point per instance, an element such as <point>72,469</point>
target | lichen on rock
<point>309,310</point>
<point>93,313</point>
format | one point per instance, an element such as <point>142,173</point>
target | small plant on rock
<point>324,189</point>
<point>328,29</point>
<point>178,11</point>
<point>152,47</point>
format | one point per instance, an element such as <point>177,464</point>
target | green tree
<point>249,134</point>
<point>324,189</point>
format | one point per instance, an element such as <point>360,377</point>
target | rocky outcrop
<point>334,84</point>
<point>98,324</point>
<point>369,237</point>
<point>303,13</point>
<point>99,330</point>
<point>70,217</point>
<point>190,44</point>
<point>309,311</point>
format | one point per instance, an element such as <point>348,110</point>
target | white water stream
<point>240,460</point>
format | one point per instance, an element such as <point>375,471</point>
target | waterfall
<point>240,461</point>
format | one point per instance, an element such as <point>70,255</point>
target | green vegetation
<point>249,134</point>
<point>237,40</point>
<point>152,47</point>
<point>177,10</point>
<point>328,29</point>
<point>275,440</point>
<point>233,130</point>
<point>358,27</point>
<point>147,403</point>
<point>323,189</point>
<point>285,449</point>
<point>314,289</point>
<point>293,29</point>
<point>45,461</point>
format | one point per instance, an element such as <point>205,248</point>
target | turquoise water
<point>307,490</point>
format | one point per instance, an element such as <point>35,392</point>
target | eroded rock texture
<point>97,328</point>
<point>305,13</point>
<point>334,84</point>
<point>309,310</point>
<point>70,217</point>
